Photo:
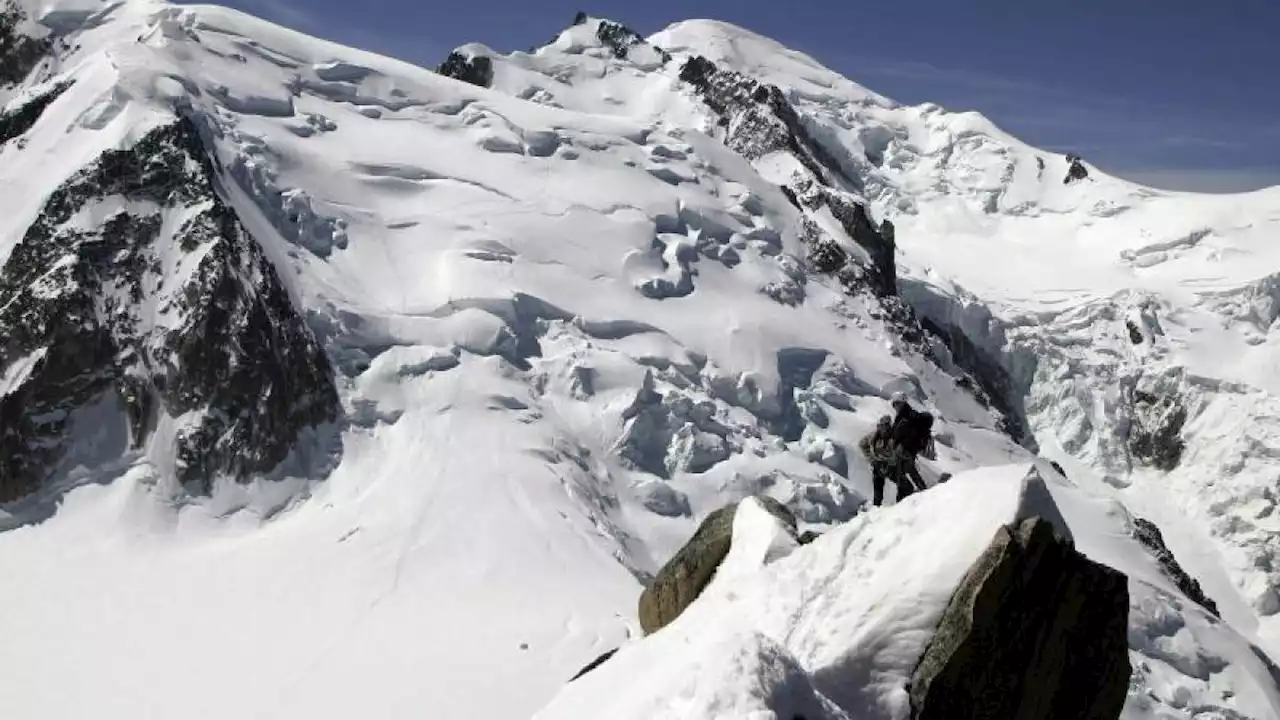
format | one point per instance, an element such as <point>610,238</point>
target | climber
<point>879,451</point>
<point>912,435</point>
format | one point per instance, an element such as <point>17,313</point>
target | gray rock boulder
<point>688,572</point>
<point>1034,631</point>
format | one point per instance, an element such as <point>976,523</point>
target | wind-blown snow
<point>552,307</point>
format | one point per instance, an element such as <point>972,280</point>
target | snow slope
<point>1193,274</point>
<point>566,322</point>
<point>557,343</point>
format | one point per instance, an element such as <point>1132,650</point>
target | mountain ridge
<point>562,319</point>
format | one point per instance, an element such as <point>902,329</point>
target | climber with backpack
<point>912,435</point>
<point>878,448</point>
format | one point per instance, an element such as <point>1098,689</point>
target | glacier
<point>456,360</point>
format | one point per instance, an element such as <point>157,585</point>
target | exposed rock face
<point>1155,430</point>
<point>476,69</point>
<point>19,54</point>
<point>993,387</point>
<point>1034,631</point>
<point>1075,170</point>
<point>18,121</point>
<point>757,119</point>
<point>618,38</point>
<point>683,578</point>
<point>166,306</point>
<point>880,275</point>
<point>1149,535</point>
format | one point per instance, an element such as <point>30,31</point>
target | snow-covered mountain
<point>335,386</point>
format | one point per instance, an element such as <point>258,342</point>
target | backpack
<point>902,428</point>
<point>924,430</point>
<point>912,430</point>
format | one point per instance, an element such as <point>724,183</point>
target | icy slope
<point>1127,328</point>
<point>556,338</point>
<point>834,629</point>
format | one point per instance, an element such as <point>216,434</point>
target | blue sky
<point>1174,93</point>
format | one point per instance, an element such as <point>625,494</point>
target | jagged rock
<point>1149,535</point>
<point>1034,631</point>
<point>683,578</point>
<point>827,256</point>
<point>21,119</point>
<point>594,664</point>
<point>19,54</point>
<point>1155,431</point>
<point>618,38</point>
<point>475,69</point>
<point>234,360</point>
<point>883,275</point>
<point>758,118</point>
<point>994,385</point>
<point>1075,170</point>
<point>807,537</point>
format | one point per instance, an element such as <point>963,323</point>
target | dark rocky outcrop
<point>618,38</point>
<point>1034,631</point>
<point>95,318</point>
<point>1155,430</point>
<point>880,274</point>
<point>1135,335</point>
<point>1149,535</point>
<point>688,572</point>
<point>758,119</point>
<point>991,383</point>
<point>594,664</point>
<point>807,537</point>
<point>1075,170</point>
<point>474,69</point>
<point>18,121</point>
<point>19,53</point>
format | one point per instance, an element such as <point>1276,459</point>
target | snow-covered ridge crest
<point>835,628</point>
